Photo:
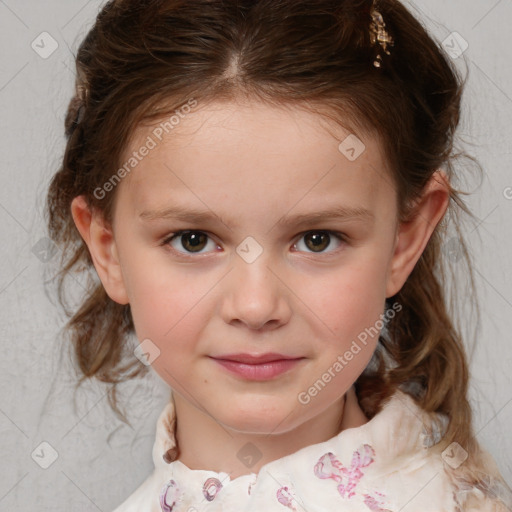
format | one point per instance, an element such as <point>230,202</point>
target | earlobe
<point>99,238</point>
<point>413,235</point>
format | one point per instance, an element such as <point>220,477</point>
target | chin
<point>256,426</point>
<point>257,420</point>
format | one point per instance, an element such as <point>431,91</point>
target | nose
<point>255,295</point>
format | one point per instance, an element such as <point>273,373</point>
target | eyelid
<point>339,234</point>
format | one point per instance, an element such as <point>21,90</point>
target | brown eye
<point>188,241</point>
<point>319,241</point>
<point>193,242</point>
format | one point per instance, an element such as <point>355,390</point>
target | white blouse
<point>389,464</point>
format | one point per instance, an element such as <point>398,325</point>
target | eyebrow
<point>336,213</point>
<point>199,216</point>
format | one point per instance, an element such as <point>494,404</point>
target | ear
<point>99,237</point>
<point>414,234</point>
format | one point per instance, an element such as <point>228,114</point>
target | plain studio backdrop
<point>59,457</point>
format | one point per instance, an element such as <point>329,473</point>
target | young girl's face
<point>262,194</point>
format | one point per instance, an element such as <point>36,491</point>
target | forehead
<point>232,153</point>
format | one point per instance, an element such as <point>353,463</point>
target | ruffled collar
<point>363,468</point>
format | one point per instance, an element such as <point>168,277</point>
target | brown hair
<point>143,59</point>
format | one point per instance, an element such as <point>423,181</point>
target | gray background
<point>101,460</point>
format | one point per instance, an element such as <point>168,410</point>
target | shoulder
<point>417,469</point>
<point>478,485</point>
<point>470,481</point>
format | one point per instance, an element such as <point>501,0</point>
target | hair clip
<point>81,93</point>
<point>80,114</point>
<point>378,33</point>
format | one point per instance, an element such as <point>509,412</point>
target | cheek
<point>352,308</point>
<point>350,302</point>
<point>166,311</point>
<point>158,291</point>
<point>170,306</point>
<point>352,299</point>
<point>164,304</point>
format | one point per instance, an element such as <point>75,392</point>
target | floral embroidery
<point>329,466</point>
<point>375,503</point>
<point>169,496</point>
<point>286,497</point>
<point>211,488</point>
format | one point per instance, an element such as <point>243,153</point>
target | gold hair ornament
<point>81,92</point>
<point>378,33</point>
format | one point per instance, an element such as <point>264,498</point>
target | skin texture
<point>251,165</point>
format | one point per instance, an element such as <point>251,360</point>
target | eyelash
<point>166,242</point>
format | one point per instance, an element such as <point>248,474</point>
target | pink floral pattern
<point>348,478</point>
<point>211,488</point>
<point>376,502</point>
<point>169,496</point>
<point>329,466</point>
<point>286,497</point>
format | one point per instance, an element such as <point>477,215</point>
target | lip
<point>255,358</point>
<point>257,367</point>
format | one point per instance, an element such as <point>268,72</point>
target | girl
<point>262,188</point>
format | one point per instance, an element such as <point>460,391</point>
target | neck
<point>205,444</point>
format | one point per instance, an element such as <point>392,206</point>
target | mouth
<point>257,367</point>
